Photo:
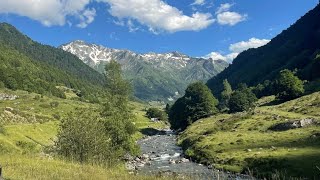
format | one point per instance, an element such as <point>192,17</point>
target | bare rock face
<point>293,124</point>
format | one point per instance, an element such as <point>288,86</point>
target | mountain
<point>298,47</point>
<point>154,76</point>
<point>28,65</point>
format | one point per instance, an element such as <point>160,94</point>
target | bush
<point>156,113</point>
<point>82,137</point>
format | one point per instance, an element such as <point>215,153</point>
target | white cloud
<point>49,12</point>
<point>245,45</point>
<point>237,48</point>
<point>227,17</point>
<point>215,56</point>
<point>230,18</point>
<point>198,2</point>
<point>224,8</point>
<point>87,18</point>
<point>158,15</point>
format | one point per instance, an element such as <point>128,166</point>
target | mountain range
<point>153,76</point>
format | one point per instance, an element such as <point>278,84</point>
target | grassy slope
<point>237,142</point>
<point>26,134</point>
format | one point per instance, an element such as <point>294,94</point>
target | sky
<point>220,29</point>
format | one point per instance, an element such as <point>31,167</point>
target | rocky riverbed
<point>161,156</point>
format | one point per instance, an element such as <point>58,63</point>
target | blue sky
<point>195,27</point>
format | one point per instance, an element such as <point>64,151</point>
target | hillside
<point>28,65</point>
<point>260,143</point>
<point>154,76</point>
<point>298,47</point>
<point>29,125</point>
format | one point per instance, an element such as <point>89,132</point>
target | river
<point>161,156</point>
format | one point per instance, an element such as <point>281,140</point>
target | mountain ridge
<point>294,48</point>
<point>155,76</point>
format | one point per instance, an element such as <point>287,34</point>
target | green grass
<point>37,168</point>
<point>31,127</point>
<point>142,121</point>
<point>240,142</point>
<point>31,108</point>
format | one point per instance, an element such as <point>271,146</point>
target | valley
<point>100,89</point>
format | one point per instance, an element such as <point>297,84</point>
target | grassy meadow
<point>243,142</point>
<point>28,127</point>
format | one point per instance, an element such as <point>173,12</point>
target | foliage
<point>264,89</point>
<point>241,143</point>
<point>289,50</point>
<point>225,94</point>
<point>242,99</point>
<point>198,102</point>
<point>288,86</point>
<point>30,66</point>
<point>157,113</point>
<point>82,137</point>
<point>118,114</point>
<point>115,83</point>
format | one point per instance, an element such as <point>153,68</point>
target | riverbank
<point>161,156</point>
<point>278,140</point>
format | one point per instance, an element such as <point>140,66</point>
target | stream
<point>161,156</point>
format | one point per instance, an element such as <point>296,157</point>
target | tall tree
<point>288,86</point>
<point>197,103</point>
<point>242,99</point>
<point>225,94</point>
<point>116,109</point>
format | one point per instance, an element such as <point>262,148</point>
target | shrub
<point>82,137</point>
<point>156,113</point>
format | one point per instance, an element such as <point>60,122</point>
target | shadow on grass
<point>272,103</point>
<point>152,132</point>
<point>285,167</point>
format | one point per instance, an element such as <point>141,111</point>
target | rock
<point>127,157</point>
<point>248,150</point>
<point>210,167</point>
<point>137,159</point>
<point>8,97</point>
<point>10,109</point>
<point>140,165</point>
<point>130,167</point>
<point>171,161</point>
<point>145,157</point>
<point>293,124</point>
<point>184,160</point>
<point>315,135</point>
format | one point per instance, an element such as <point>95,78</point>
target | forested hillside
<point>298,47</point>
<point>28,65</point>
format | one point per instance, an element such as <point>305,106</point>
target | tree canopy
<point>242,99</point>
<point>197,103</point>
<point>288,86</point>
